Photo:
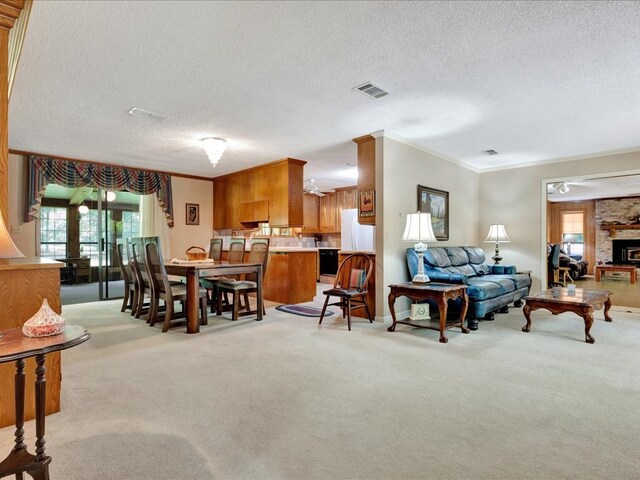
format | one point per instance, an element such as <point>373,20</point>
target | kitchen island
<point>291,274</point>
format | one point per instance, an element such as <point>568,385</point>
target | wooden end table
<point>440,293</point>
<point>558,300</point>
<point>14,346</point>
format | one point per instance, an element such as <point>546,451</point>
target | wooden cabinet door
<point>345,199</point>
<point>311,213</point>
<point>328,213</point>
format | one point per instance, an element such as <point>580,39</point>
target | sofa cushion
<point>489,286</point>
<point>457,256</point>
<point>463,270</point>
<point>437,257</point>
<point>520,280</point>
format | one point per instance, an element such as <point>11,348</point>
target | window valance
<point>45,170</point>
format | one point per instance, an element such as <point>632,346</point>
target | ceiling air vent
<point>371,90</point>
<point>144,113</point>
<point>491,152</point>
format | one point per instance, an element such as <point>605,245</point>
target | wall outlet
<point>17,229</point>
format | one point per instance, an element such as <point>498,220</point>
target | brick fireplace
<point>623,211</point>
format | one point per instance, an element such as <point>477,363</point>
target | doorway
<point>82,226</point>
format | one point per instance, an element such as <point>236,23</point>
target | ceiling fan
<point>311,187</point>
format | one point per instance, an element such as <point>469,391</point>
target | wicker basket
<point>193,253</point>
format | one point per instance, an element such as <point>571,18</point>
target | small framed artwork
<point>367,204</point>
<point>435,202</point>
<point>192,214</point>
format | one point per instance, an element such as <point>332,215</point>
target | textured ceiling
<point>535,81</point>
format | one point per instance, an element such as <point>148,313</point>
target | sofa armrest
<point>503,269</point>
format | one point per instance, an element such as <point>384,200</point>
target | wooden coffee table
<point>630,269</point>
<point>558,300</point>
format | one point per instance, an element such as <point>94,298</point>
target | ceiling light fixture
<point>83,209</point>
<point>111,196</point>
<point>214,147</point>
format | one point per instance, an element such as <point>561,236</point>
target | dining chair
<point>140,272</point>
<point>235,255</point>
<point>248,283</point>
<point>127,277</point>
<point>215,249</point>
<point>350,286</point>
<point>163,290</point>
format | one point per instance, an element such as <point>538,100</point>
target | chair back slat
<point>259,254</point>
<point>236,250</point>
<point>354,272</point>
<point>125,269</point>
<point>155,267</point>
<point>215,249</point>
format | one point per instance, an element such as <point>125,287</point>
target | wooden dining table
<point>194,269</point>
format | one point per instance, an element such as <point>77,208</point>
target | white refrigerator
<point>356,237</point>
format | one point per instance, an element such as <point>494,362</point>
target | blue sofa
<point>491,288</point>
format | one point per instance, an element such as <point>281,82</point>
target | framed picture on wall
<point>192,215</point>
<point>435,202</point>
<point>367,204</point>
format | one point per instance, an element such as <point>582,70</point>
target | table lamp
<point>497,234</point>
<point>8,249</point>
<point>418,229</point>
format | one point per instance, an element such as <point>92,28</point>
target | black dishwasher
<point>328,261</point>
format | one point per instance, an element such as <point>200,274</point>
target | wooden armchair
<point>350,286</point>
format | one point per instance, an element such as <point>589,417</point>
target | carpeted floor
<point>287,399</point>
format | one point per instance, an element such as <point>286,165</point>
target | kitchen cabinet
<point>366,172</point>
<point>311,209</point>
<point>291,277</point>
<point>328,217</point>
<point>270,193</point>
<point>331,206</point>
<point>345,199</point>
<point>252,213</point>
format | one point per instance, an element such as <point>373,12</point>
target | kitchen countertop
<point>307,249</point>
<point>349,252</point>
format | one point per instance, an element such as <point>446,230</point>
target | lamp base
<point>496,258</point>
<point>420,278</point>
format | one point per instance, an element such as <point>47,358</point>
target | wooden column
<point>9,11</point>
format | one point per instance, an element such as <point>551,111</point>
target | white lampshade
<point>497,234</point>
<point>111,196</point>
<point>418,228</point>
<point>83,209</point>
<point>8,249</point>
<point>214,147</point>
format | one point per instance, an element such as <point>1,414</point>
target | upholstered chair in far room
<point>163,290</point>
<point>350,286</point>
<point>127,277</point>
<point>553,266</point>
<point>235,255</point>
<point>248,284</point>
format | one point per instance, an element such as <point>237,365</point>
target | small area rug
<point>303,310</point>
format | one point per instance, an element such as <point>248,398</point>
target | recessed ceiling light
<point>144,113</point>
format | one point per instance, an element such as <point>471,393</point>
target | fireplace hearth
<point>626,252</point>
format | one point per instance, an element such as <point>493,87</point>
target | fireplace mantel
<point>613,228</point>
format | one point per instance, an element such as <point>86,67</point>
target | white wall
<point>183,236</point>
<point>517,198</point>
<point>399,172</point>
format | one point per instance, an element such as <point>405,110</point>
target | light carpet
<point>287,399</point>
